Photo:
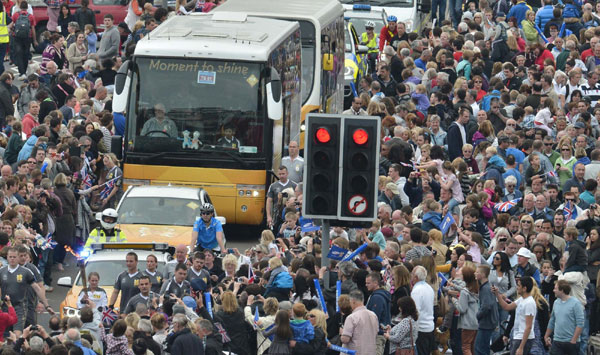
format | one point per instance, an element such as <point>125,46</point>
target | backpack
<point>22,26</point>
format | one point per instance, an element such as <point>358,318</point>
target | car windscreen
<point>159,210</point>
<point>110,269</point>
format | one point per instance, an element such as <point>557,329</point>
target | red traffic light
<point>323,135</point>
<point>360,136</point>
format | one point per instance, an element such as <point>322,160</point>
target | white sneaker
<point>23,77</point>
<point>48,288</point>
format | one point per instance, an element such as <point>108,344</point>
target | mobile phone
<point>230,251</point>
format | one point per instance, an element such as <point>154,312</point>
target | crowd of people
<point>487,236</point>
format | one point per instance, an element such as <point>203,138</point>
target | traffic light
<point>321,172</point>
<point>359,168</point>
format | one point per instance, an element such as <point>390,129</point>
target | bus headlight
<point>250,190</point>
<point>71,312</point>
<point>408,25</point>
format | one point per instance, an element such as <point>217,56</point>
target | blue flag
<point>44,166</point>
<point>256,317</point>
<point>356,252</point>
<point>446,223</point>
<point>443,282</point>
<point>336,253</point>
<point>307,225</point>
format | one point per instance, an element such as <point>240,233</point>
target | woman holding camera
<point>8,318</point>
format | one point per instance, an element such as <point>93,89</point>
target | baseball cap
<point>189,301</point>
<point>500,14</point>
<point>503,139</point>
<point>524,252</point>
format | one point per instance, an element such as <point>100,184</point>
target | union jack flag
<point>569,211</point>
<point>223,332</point>
<point>505,206</point>
<point>552,173</point>
<point>250,275</point>
<point>109,317</point>
<point>108,188</point>
<point>87,180</point>
<point>256,318</point>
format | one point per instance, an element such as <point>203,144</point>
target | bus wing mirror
<point>362,49</point>
<point>327,62</point>
<point>122,84</point>
<point>274,101</point>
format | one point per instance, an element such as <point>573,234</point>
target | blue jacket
<point>379,303</point>
<point>431,220</point>
<point>303,330</point>
<point>519,11</point>
<point>571,10</point>
<point>543,16</point>
<point>487,99</point>
<point>27,148</point>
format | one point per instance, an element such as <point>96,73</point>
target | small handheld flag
<point>250,275</point>
<point>256,317</point>
<point>506,206</point>
<point>336,253</point>
<point>44,167</point>
<point>446,223</point>
<point>570,211</point>
<point>109,317</point>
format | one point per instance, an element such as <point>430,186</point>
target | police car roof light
<point>140,246</point>
<point>361,7</point>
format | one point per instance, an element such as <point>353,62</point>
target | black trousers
<point>425,343</point>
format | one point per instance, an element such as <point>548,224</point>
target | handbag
<point>410,351</point>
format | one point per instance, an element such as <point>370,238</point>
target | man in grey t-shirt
<point>14,282</point>
<point>109,44</point>
<point>294,163</point>
<point>127,282</point>
<point>31,297</point>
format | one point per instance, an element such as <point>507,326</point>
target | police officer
<point>208,231</point>
<point>369,39</point>
<point>127,282</point>
<point>107,231</point>
<point>14,282</point>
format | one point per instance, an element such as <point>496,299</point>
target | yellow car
<point>161,214</point>
<point>108,260</point>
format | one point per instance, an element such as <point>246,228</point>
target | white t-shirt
<point>525,307</point>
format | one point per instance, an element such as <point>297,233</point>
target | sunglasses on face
<point>526,222</point>
<point>206,213</point>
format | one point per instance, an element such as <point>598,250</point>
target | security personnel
<point>369,39</point>
<point>107,233</point>
<point>4,37</point>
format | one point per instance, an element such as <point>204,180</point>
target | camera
<point>284,195</point>
<point>230,251</point>
<point>34,327</point>
<point>239,279</point>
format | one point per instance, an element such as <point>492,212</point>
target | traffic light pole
<point>325,249</point>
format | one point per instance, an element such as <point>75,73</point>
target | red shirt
<point>29,123</point>
<point>31,19</point>
<point>6,320</point>
<point>385,37</point>
<point>542,57</point>
<point>586,53</point>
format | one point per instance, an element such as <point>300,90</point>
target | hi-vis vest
<point>99,236</point>
<point>3,28</point>
<point>371,44</point>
